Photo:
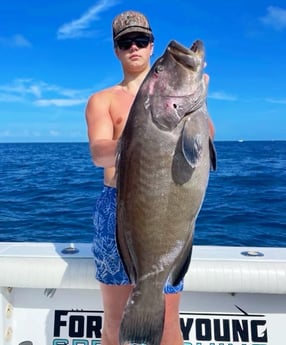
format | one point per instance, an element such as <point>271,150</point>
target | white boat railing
<point>212,269</point>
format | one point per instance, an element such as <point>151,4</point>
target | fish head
<point>175,86</point>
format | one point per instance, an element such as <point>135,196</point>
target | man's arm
<point>100,130</point>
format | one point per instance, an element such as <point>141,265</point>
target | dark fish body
<point>165,155</point>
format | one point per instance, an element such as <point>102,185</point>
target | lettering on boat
<point>83,327</point>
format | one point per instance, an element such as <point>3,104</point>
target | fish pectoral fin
<point>212,154</point>
<point>191,145</point>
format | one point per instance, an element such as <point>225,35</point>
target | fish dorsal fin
<point>182,267</point>
<point>212,154</point>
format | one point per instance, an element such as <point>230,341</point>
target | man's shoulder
<point>103,99</point>
<point>106,93</point>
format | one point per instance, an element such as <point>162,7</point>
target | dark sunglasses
<point>139,41</point>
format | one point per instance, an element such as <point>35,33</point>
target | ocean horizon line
<point>86,142</point>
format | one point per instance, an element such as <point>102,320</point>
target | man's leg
<point>114,300</point>
<point>172,334</point>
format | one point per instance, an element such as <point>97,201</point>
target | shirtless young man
<point>106,115</point>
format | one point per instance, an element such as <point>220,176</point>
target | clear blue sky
<point>54,54</point>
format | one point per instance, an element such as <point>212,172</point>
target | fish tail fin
<point>143,319</point>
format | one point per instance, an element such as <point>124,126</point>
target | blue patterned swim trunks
<point>109,267</point>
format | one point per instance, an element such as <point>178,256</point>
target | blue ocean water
<point>48,191</point>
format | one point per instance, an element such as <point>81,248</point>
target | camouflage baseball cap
<point>130,21</point>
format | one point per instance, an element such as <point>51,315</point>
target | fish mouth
<point>189,57</point>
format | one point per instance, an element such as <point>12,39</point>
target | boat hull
<point>51,298</point>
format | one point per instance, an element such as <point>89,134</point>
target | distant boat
<point>240,140</point>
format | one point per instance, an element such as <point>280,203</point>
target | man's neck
<point>132,81</point>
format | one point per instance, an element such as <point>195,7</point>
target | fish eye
<point>158,69</point>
